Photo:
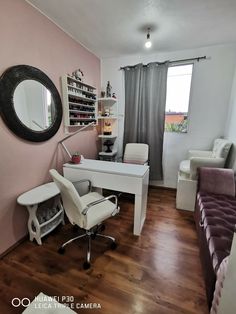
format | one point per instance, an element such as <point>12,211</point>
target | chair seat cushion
<point>97,213</point>
<point>184,167</point>
<point>218,214</point>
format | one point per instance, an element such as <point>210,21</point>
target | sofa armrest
<point>197,162</point>
<point>217,181</point>
<point>199,153</point>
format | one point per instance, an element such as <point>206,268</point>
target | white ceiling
<point>118,27</point>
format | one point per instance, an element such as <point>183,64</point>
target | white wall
<point>230,129</point>
<point>210,94</point>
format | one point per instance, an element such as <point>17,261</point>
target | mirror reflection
<point>34,105</point>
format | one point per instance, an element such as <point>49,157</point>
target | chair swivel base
<point>90,235</point>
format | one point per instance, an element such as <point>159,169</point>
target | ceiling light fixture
<point>148,43</point>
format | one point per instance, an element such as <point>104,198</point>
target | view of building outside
<point>177,98</point>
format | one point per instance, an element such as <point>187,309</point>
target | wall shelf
<point>71,78</point>
<point>81,90</point>
<point>107,136</point>
<point>109,101</point>
<point>84,119</point>
<point>113,153</point>
<point>108,105</point>
<point>107,118</point>
<point>81,97</point>
<point>79,102</point>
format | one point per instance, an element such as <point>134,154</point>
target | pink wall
<point>27,37</point>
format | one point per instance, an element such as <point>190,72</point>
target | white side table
<point>32,200</point>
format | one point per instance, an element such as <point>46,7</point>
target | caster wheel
<point>61,250</point>
<point>86,265</point>
<point>75,228</point>
<point>103,227</point>
<point>113,245</point>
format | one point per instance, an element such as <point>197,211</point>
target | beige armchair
<point>187,176</point>
<point>197,158</point>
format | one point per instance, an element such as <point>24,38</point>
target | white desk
<point>115,176</point>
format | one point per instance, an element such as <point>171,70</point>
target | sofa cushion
<point>221,148</point>
<point>217,181</point>
<point>218,216</point>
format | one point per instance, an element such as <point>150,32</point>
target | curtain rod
<point>176,61</point>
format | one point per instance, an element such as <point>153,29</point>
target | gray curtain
<point>145,100</point>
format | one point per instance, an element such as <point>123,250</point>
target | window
<point>177,98</point>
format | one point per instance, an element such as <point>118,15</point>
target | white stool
<point>186,193</point>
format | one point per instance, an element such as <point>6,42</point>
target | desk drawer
<point>127,184</point>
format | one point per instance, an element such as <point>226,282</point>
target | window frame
<point>190,96</point>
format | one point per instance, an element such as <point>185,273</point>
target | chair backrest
<point>221,148</point>
<point>136,153</point>
<point>71,199</point>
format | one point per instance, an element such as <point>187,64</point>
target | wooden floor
<point>158,272</point>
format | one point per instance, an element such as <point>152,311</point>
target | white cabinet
<point>42,220</point>
<point>108,128</point>
<point>79,102</point>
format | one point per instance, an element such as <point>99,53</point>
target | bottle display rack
<point>79,101</point>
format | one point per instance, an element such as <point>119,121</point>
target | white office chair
<point>136,153</point>
<point>87,211</point>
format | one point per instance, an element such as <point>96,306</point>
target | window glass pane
<point>177,98</point>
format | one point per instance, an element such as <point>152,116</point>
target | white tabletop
<point>39,194</point>
<point>110,167</point>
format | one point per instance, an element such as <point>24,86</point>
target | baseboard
<point>11,248</point>
<point>161,187</point>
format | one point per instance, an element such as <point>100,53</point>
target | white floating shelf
<point>108,154</point>
<point>108,100</point>
<point>107,118</point>
<point>107,136</point>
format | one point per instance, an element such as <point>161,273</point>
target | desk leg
<point>33,220</point>
<point>140,207</point>
<point>137,215</point>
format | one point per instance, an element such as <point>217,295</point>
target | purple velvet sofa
<point>215,217</point>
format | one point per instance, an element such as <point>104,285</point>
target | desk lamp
<point>70,135</point>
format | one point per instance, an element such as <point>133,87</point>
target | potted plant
<point>76,158</point>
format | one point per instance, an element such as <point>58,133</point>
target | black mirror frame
<point>9,80</point>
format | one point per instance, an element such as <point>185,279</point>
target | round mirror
<point>34,105</point>
<point>30,103</point>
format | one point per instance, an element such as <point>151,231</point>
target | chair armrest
<point>199,153</point>
<point>88,206</point>
<point>82,181</point>
<point>197,162</point>
<point>217,181</point>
